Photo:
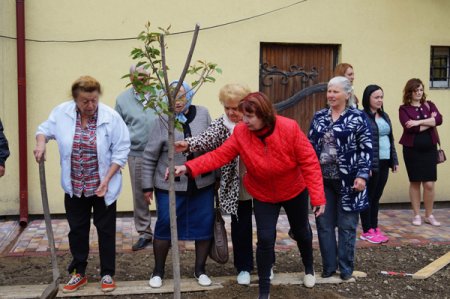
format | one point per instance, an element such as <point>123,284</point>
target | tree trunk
<point>171,125</point>
<point>173,213</point>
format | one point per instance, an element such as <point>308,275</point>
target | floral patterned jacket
<point>210,139</point>
<point>354,147</point>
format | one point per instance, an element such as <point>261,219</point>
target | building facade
<point>387,42</point>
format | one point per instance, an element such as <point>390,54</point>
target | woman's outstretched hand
<point>179,171</point>
<point>181,146</point>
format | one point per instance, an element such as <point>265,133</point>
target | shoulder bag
<point>219,245</point>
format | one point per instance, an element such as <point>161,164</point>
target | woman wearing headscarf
<point>194,197</point>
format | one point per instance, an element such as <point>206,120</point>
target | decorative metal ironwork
<point>267,75</point>
<point>300,96</point>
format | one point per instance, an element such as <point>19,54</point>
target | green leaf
<point>195,83</point>
<point>211,79</point>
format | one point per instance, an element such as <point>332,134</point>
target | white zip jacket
<point>113,143</point>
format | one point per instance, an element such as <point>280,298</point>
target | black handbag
<point>440,157</point>
<point>219,246</point>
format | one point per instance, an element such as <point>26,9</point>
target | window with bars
<point>440,67</point>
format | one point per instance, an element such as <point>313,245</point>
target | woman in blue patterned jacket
<point>342,140</point>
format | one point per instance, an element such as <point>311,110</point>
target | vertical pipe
<point>22,105</point>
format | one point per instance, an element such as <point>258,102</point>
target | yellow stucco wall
<point>388,42</point>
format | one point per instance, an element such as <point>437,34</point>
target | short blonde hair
<point>234,92</point>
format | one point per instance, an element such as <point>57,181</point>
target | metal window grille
<point>440,67</point>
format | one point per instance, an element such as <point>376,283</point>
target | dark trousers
<point>266,215</point>
<point>242,236</point>
<point>375,188</point>
<point>78,212</point>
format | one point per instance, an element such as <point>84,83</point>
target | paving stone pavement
<point>33,240</point>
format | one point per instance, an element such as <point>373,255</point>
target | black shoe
<point>346,276</point>
<point>141,244</point>
<point>328,274</point>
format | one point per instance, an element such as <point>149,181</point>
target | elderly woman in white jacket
<point>93,143</point>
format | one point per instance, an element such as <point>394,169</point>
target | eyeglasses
<point>181,99</point>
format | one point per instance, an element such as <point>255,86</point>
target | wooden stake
<point>432,268</point>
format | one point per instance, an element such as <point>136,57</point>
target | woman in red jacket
<point>281,168</point>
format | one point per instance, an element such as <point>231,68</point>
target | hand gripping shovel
<point>52,289</point>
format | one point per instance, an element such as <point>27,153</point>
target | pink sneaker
<point>371,237</point>
<point>382,236</point>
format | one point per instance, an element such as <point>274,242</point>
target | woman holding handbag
<point>419,119</point>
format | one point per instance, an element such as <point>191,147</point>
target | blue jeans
<point>341,251</point>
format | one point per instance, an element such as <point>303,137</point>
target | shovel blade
<point>51,290</point>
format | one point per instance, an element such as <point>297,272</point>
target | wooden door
<point>286,69</point>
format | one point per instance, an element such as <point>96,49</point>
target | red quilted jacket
<point>278,169</point>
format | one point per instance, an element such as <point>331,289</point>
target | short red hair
<point>261,106</point>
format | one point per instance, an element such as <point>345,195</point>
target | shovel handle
<point>48,220</point>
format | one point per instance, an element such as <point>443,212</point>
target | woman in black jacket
<point>384,157</point>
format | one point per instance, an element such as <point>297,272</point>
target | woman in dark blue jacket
<point>342,140</point>
<point>4,150</point>
<point>384,157</point>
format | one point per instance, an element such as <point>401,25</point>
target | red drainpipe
<point>22,105</point>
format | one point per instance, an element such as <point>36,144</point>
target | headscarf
<point>189,95</point>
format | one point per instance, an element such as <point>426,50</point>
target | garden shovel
<point>52,289</point>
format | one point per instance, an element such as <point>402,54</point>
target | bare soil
<point>137,266</point>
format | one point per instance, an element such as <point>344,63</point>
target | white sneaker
<point>309,280</point>
<point>155,282</point>
<point>431,220</point>
<point>271,274</point>
<point>203,280</point>
<point>243,278</point>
